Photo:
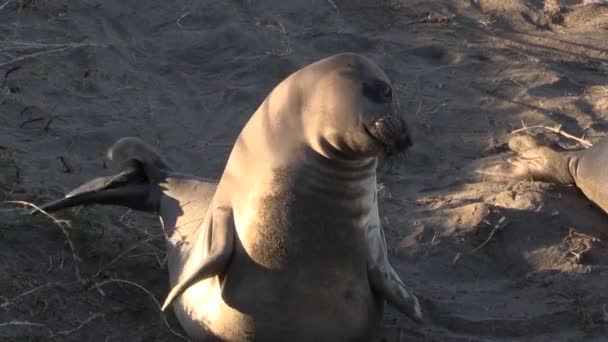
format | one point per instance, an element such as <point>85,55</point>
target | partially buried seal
<point>288,245</point>
<point>537,159</point>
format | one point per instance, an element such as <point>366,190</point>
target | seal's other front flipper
<point>382,277</point>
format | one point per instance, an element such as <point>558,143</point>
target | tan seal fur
<point>290,244</point>
<point>537,159</point>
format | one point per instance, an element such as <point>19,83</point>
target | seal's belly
<point>246,310</point>
<point>295,275</point>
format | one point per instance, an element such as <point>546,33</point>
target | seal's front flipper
<point>210,254</point>
<point>128,188</point>
<point>383,277</point>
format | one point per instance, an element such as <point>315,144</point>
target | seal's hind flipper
<point>135,186</point>
<point>127,188</point>
<point>210,254</point>
<point>383,277</point>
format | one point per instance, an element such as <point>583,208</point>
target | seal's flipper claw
<point>211,252</point>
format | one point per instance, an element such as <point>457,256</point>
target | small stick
<point>66,165</point>
<point>178,21</point>
<point>5,4</point>
<point>10,301</point>
<point>151,296</point>
<point>26,324</point>
<point>557,130</point>
<point>35,54</point>
<point>48,123</point>
<point>502,222</point>
<point>29,45</point>
<point>30,121</point>
<point>73,330</point>
<point>11,70</point>
<point>333,5</point>
<point>47,126</point>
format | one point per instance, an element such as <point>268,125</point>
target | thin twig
<point>10,301</point>
<point>5,4</point>
<point>29,45</point>
<point>557,130</point>
<point>60,224</point>
<point>486,241</point>
<point>178,21</point>
<point>333,5</point>
<point>73,330</point>
<point>125,252</point>
<point>502,222</point>
<point>66,166</point>
<point>97,285</point>
<point>12,70</point>
<point>30,121</point>
<point>35,54</point>
<point>19,323</point>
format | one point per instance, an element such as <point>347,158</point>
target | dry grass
<point>82,282</point>
<point>12,301</point>
<point>126,251</point>
<point>156,302</point>
<point>62,224</point>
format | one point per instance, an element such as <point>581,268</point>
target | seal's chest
<point>298,221</point>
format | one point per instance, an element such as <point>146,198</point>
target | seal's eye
<point>378,91</point>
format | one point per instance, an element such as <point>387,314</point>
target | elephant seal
<point>288,244</point>
<point>537,159</point>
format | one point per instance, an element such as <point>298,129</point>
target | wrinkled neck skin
<point>278,136</point>
<point>281,134</point>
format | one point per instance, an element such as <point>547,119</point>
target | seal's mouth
<point>391,132</point>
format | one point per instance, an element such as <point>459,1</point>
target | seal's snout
<point>392,132</point>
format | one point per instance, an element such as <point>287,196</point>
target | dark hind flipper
<point>128,188</point>
<point>135,186</point>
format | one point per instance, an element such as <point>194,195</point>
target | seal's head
<point>351,109</point>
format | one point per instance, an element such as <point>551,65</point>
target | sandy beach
<point>492,260</point>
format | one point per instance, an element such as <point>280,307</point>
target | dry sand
<point>186,75</point>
